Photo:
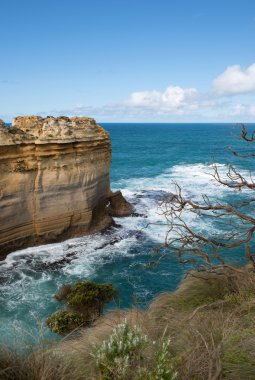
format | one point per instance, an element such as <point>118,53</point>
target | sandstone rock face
<point>119,206</point>
<point>54,180</point>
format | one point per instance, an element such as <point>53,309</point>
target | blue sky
<point>128,60</point>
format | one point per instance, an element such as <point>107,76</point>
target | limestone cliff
<point>54,180</point>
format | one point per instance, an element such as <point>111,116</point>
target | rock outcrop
<point>119,206</point>
<point>54,180</point>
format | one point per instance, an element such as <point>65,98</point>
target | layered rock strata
<point>54,180</point>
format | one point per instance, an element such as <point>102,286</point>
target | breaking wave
<point>30,277</point>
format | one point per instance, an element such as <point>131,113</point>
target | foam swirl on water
<point>30,277</point>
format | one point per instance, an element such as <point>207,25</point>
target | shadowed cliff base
<point>55,181</point>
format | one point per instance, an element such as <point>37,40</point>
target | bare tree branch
<point>236,222</point>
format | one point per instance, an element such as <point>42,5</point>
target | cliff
<point>54,181</point>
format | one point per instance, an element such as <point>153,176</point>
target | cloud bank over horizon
<point>228,99</point>
<point>231,97</point>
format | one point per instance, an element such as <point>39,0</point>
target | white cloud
<point>177,103</point>
<point>235,80</point>
<point>243,110</point>
<point>174,99</point>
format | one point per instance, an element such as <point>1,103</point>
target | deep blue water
<point>146,159</point>
<point>146,150</point>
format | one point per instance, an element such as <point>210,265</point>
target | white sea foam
<point>195,180</point>
<point>29,275</point>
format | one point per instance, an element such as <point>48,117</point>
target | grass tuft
<point>209,321</point>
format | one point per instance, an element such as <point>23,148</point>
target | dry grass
<point>212,326</point>
<point>210,321</point>
<point>36,365</point>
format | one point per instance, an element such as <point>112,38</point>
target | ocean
<point>146,160</point>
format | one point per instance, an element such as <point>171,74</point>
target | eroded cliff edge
<point>54,180</point>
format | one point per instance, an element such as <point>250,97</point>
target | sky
<point>128,60</point>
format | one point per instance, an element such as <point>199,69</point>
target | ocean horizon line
<point>168,123</point>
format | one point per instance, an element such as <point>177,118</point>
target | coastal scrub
<point>127,354</point>
<point>84,304</point>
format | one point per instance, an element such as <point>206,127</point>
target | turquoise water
<point>147,158</point>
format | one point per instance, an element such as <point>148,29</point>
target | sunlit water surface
<point>147,159</point>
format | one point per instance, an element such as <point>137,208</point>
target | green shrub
<point>62,322</point>
<point>91,296</point>
<point>128,354</point>
<point>85,303</point>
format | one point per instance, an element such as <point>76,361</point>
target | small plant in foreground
<point>127,355</point>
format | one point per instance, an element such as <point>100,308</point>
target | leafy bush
<point>126,355</point>
<point>85,303</point>
<point>62,322</point>
<point>89,295</point>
